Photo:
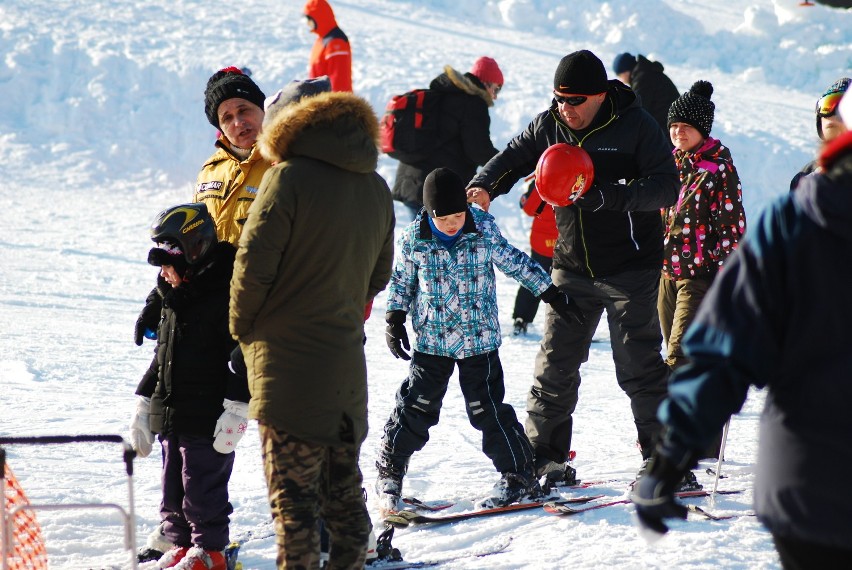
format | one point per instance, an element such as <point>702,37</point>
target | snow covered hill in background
<point>102,126</point>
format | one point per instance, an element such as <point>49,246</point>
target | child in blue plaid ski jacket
<point>444,276</point>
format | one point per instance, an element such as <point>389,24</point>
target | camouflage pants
<point>307,482</point>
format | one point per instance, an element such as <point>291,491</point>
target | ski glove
<point>564,305</point>
<point>653,493</point>
<point>141,436</point>
<point>601,196</point>
<point>231,426</point>
<point>395,334</point>
<point>149,318</point>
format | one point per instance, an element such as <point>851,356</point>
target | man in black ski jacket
<point>608,253</point>
<point>464,129</point>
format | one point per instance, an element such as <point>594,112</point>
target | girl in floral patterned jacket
<point>706,223</point>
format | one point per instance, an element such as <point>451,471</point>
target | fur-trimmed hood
<point>337,128</point>
<point>463,82</point>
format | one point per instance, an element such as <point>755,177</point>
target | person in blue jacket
<point>777,317</point>
<point>444,277</point>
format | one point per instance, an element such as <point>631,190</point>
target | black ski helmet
<point>188,226</point>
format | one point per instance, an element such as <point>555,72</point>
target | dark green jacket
<point>316,248</point>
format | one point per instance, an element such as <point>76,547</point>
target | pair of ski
<point>440,506</point>
<point>562,507</point>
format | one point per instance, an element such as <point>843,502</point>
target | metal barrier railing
<point>128,515</point>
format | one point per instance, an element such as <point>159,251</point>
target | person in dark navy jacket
<point>777,317</point>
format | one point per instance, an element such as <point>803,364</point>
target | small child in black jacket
<point>189,395</point>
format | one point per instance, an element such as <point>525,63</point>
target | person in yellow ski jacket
<point>229,179</point>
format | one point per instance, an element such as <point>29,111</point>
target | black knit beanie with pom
<point>694,108</point>
<point>226,84</point>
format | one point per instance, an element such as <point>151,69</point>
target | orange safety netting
<point>27,545</point>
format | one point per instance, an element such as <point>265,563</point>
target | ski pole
<point>721,455</point>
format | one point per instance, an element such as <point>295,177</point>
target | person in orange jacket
<point>331,54</point>
<point>542,239</point>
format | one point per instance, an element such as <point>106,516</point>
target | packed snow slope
<point>102,126</point>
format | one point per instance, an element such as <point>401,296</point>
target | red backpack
<point>409,128</point>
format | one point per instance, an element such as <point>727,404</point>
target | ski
<point>561,508</point>
<point>586,484</point>
<point>403,519</point>
<point>706,493</point>
<point>714,517</point>
<point>433,507</point>
<point>404,564</point>
<point>564,509</point>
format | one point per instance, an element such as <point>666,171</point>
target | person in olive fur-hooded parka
<point>316,248</point>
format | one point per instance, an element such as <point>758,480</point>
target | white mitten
<point>141,437</point>
<point>231,426</point>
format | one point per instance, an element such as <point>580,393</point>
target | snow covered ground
<point>101,126</point>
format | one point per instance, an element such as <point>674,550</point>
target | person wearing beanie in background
<point>543,236</point>
<point>829,125</point>
<point>229,179</point>
<point>189,396</point>
<point>704,227</point>
<point>316,249</point>
<point>773,319</point>
<point>608,255</point>
<point>444,277</point>
<point>464,129</point>
<point>331,53</point>
<point>655,90</point>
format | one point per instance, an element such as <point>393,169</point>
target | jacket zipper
<point>580,212</point>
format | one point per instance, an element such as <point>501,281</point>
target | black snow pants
<point>630,301</point>
<point>418,406</point>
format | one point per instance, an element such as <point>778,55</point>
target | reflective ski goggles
<point>574,100</point>
<point>496,88</point>
<point>827,105</point>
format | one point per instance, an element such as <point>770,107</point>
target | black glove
<point>564,305</point>
<point>395,334</point>
<point>149,318</point>
<point>601,196</point>
<point>654,492</point>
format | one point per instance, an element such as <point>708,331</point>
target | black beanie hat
<point>623,62</point>
<point>226,84</point>
<point>694,108</point>
<point>444,193</point>
<point>580,72</point>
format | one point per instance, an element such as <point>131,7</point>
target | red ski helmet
<point>564,173</point>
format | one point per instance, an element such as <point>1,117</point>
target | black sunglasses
<point>573,101</point>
